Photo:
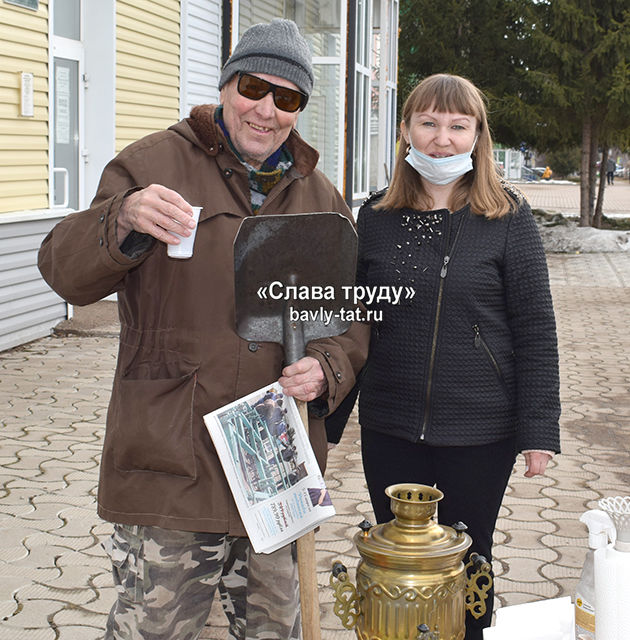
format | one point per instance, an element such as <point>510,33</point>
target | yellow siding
<point>147,67</point>
<point>23,140</point>
<point>21,158</point>
<point>127,86</point>
<point>11,143</point>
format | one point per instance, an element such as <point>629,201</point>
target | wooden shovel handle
<point>309,598</point>
<point>307,570</point>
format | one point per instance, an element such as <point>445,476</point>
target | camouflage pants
<point>166,580</point>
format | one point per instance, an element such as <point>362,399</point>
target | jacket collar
<point>203,130</point>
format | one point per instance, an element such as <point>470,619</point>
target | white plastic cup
<point>185,247</point>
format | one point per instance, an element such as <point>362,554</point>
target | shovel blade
<point>278,259</point>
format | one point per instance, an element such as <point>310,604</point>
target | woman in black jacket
<point>463,375</point>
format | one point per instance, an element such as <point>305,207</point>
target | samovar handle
<point>346,606</point>
<point>478,584</point>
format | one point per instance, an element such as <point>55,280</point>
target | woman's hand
<point>535,463</point>
<point>304,379</point>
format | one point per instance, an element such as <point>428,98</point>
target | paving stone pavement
<point>55,579</point>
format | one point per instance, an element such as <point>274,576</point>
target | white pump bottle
<point>612,574</point>
<point>600,530</point>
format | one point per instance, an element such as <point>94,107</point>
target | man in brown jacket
<point>177,533</point>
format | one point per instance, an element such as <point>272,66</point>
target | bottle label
<point>584,619</point>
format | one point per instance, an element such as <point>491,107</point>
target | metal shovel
<point>290,271</point>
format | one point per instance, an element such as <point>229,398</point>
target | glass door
<point>66,105</point>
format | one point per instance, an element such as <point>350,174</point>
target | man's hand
<point>155,210</point>
<point>535,463</point>
<point>304,379</point>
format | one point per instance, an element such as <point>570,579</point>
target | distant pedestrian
<point>611,166</point>
<point>547,173</point>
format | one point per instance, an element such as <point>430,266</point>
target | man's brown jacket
<point>179,355</point>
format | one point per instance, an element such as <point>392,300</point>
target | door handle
<point>66,187</point>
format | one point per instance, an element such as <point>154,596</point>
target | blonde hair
<point>481,187</point>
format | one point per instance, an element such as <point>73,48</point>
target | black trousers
<point>473,480</point>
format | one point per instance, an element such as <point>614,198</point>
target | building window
<point>27,4</point>
<point>67,19</point>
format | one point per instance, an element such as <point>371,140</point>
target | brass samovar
<point>411,581</point>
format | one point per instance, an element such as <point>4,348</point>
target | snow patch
<point>562,235</point>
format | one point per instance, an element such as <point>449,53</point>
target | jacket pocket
<point>480,343</point>
<point>155,425</point>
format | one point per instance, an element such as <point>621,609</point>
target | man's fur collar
<point>209,134</point>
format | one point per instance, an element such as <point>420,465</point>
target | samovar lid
<point>414,534</point>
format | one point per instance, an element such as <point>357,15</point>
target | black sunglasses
<point>255,88</point>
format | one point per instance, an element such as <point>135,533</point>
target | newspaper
<point>270,467</point>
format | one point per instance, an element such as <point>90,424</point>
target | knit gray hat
<point>276,48</point>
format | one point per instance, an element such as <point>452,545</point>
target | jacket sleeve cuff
<point>341,358</point>
<point>136,245</point>
<point>339,381</point>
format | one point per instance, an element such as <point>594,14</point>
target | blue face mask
<point>440,170</point>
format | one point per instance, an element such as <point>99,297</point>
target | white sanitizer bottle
<point>600,528</point>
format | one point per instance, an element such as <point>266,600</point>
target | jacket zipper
<point>436,324</point>
<point>481,343</point>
